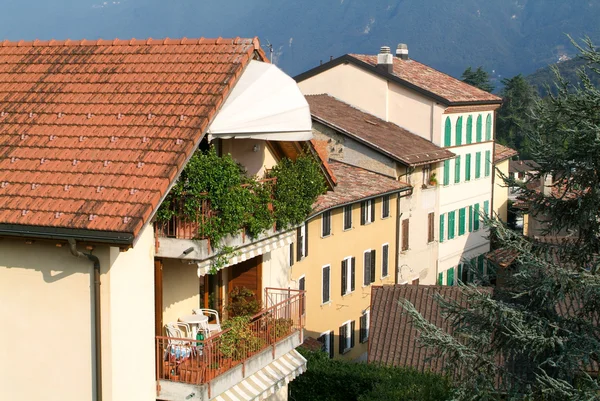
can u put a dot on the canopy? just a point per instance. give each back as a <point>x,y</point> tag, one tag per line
<point>264,104</point>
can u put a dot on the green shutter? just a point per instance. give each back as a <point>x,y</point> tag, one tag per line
<point>480,264</point>
<point>451,218</point>
<point>476,217</point>
<point>441,228</point>
<point>478,165</point>
<point>459,131</point>
<point>461,221</point>
<point>488,163</point>
<point>457,170</point>
<point>459,275</point>
<point>478,138</point>
<point>470,218</point>
<point>469,129</point>
<point>486,207</point>
<point>446,172</point>
<point>441,278</point>
<point>468,167</point>
<point>450,276</point>
<point>448,132</point>
<point>488,127</point>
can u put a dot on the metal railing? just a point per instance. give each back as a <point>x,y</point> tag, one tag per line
<point>198,362</point>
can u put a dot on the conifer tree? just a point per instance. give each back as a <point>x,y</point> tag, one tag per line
<point>478,78</point>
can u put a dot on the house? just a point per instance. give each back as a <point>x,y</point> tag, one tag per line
<point>94,135</point>
<point>502,156</point>
<point>441,109</point>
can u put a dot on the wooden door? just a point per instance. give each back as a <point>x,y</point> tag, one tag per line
<point>247,274</point>
<point>158,297</point>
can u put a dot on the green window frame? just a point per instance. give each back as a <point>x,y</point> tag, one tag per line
<point>479,128</point>
<point>457,170</point>
<point>448,132</point>
<point>488,127</point>
<point>440,278</point>
<point>470,219</point>
<point>461,221</point>
<point>450,276</point>
<point>476,217</point>
<point>488,163</point>
<point>477,165</point>
<point>458,129</point>
<point>468,167</point>
<point>446,172</point>
<point>442,228</point>
<point>486,208</point>
<point>451,224</point>
<point>480,264</point>
<point>469,138</point>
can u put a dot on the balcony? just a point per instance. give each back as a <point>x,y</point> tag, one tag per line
<point>210,367</point>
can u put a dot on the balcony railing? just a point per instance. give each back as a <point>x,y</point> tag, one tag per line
<point>198,362</point>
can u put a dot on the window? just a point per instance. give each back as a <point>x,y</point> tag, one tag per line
<point>446,172</point>
<point>481,265</point>
<point>369,267</point>
<point>450,276</point>
<point>426,174</point>
<point>488,127</point>
<point>326,284</point>
<point>470,218</point>
<point>469,130</point>
<point>468,167</point>
<point>460,273</point>
<point>478,137</point>
<point>301,242</point>
<point>365,320</point>
<point>385,206</point>
<point>459,131</point>
<point>461,221</point>
<point>326,340</point>
<point>440,278</point>
<point>326,224</point>
<point>476,217</point>
<point>448,132</point>
<point>488,163</point>
<point>486,208</point>
<point>346,336</point>
<point>367,211</point>
<point>451,224</point>
<point>405,228</point>
<point>347,217</point>
<point>292,259</point>
<point>302,287</point>
<point>457,170</point>
<point>348,275</point>
<point>442,228</point>
<point>430,227</point>
<point>477,165</point>
<point>385,255</point>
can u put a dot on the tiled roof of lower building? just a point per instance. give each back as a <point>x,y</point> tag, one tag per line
<point>93,133</point>
<point>502,153</point>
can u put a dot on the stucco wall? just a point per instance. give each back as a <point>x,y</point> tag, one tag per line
<point>414,112</point>
<point>181,289</point>
<point>242,150</point>
<point>276,268</point>
<point>501,191</point>
<point>331,251</point>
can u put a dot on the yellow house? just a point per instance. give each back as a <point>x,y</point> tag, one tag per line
<point>502,157</point>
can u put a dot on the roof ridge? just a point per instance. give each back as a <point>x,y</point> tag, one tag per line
<point>132,42</point>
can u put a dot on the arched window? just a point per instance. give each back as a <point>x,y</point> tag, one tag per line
<point>459,131</point>
<point>469,129</point>
<point>448,133</point>
<point>479,129</point>
<point>488,128</point>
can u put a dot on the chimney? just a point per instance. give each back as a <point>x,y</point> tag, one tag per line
<point>402,51</point>
<point>385,60</point>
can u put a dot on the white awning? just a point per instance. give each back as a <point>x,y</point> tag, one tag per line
<point>268,380</point>
<point>264,104</point>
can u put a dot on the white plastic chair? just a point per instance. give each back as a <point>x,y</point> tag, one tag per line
<point>178,348</point>
<point>212,327</point>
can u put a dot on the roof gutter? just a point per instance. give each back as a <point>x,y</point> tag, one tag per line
<point>58,233</point>
<point>97,310</point>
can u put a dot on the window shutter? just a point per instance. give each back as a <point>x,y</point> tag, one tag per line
<point>344,277</point>
<point>347,217</point>
<point>326,284</point>
<point>352,329</point>
<point>460,273</point>
<point>322,339</point>
<point>470,218</point>
<point>373,266</point>
<point>478,165</point>
<point>302,287</point>
<point>367,268</point>
<point>469,129</point>
<point>486,207</point>
<point>488,163</point>
<point>306,239</point>
<point>440,278</point>
<point>457,170</point>
<point>299,243</point>
<point>476,217</point>
<point>430,227</point>
<point>461,221</point>
<point>448,132</point>
<point>459,131</point>
<point>372,210</point>
<point>363,330</point>
<point>342,339</point>
<point>468,167</point>
<point>480,264</point>
<point>385,261</point>
<point>352,274</point>
<point>451,224</point>
<point>450,276</point>
<point>362,213</point>
<point>292,254</point>
<point>331,349</point>
<point>405,231</point>
<point>446,172</point>
<point>479,129</point>
<point>442,229</point>
<point>488,127</point>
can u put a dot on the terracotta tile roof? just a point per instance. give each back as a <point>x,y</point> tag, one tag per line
<point>320,148</point>
<point>502,153</point>
<point>433,81</point>
<point>355,184</point>
<point>93,133</point>
<point>521,166</point>
<point>392,338</point>
<point>396,142</point>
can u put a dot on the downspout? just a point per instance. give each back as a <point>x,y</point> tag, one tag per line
<point>97,321</point>
<point>396,252</point>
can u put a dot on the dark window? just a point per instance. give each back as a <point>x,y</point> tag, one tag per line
<point>367,211</point>
<point>326,277</point>
<point>326,341</point>
<point>348,275</point>
<point>367,268</point>
<point>347,217</point>
<point>405,235</point>
<point>385,206</point>
<point>302,287</point>
<point>373,264</point>
<point>430,227</point>
<point>292,254</point>
<point>364,327</point>
<point>346,341</point>
<point>326,223</point>
<point>384,261</point>
<point>301,242</point>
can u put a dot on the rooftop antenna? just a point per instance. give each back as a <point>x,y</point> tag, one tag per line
<point>270,47</point>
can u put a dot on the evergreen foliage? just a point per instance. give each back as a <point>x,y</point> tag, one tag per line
<point>478,78</point>
<point>336,380</point>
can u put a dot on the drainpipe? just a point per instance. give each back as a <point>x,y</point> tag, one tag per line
<point>97,322</point>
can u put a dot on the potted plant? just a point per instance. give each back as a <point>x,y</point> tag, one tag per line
<point>432,180</point>
<point>242,302</point>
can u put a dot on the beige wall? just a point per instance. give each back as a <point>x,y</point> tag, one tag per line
<point>331,251</point>
<point>501,191</point>
<point>242,150</point>
<point>181,289</point>
<point>276,268</point>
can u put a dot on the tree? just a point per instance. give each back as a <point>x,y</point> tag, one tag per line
<point>536,336</point>
<point>478,78</point>
<point>514,116</point>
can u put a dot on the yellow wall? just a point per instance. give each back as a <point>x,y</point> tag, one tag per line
<point>242,150</point>
<point>332,250</point>
<point>181,289</point>
<point>501,192</point>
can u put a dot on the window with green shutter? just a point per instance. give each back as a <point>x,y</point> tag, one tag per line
<point>486,207</point>
<point>469,129</point>
<point>476,217</point>
<point>446,172</point>
<point>460,272</point>
<point>477,165</point>
<point>461,221</point>
<point>451,220</point>
<point>448,132</point>
<point>442,227</point>
<point>480,264</point>
<point>458,131</point>
<point>478,137</point>
<point>470,218</point>
<point>468,167</point>
<point>441,278</point>
<point>457,170</point>
<point>488,127</point>
<point>450,276</point>
<point>488,162</point>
